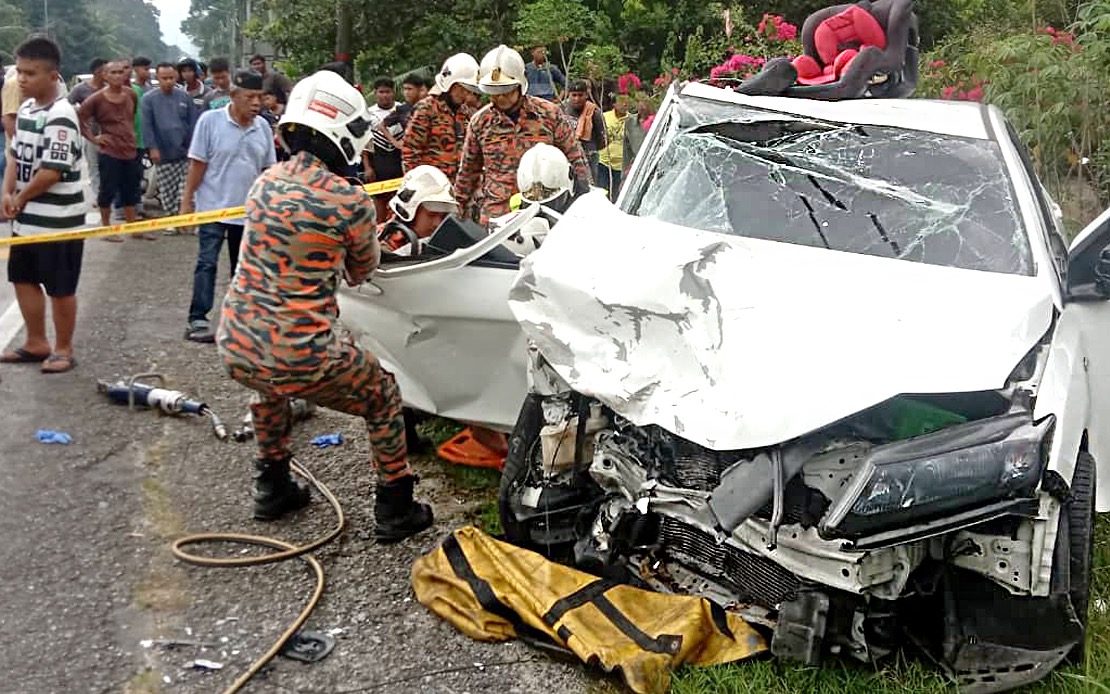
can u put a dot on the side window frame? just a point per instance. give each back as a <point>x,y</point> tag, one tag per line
<point>1055,240</point>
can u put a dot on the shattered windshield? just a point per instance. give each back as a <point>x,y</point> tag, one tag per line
<point>883,191</point>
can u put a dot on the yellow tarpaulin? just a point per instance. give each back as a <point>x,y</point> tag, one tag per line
<point>494,591</point>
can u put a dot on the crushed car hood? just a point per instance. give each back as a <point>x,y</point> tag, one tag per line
<point>734,342</point>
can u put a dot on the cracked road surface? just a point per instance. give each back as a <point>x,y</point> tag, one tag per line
<point>85,571</point>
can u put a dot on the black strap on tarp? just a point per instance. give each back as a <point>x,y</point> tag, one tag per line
<point>484,592</point>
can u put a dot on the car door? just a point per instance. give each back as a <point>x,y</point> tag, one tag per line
<point>443,327</point>
<point>1087,306</point>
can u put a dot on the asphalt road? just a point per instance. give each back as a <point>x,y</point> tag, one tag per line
<point>85,572</point>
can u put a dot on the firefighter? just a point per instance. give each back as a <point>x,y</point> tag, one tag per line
<point>545,177</point>
<point>502,131</point>
<point>419,207</point>
<point>306,228</point>
<point>439,121</point>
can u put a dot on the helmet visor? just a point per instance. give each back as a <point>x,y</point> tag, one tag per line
<point>540,193</point>
<point>498,88</point>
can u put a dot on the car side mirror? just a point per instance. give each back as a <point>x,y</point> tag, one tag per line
<point>1088,272</point>
<point>1097,284</point>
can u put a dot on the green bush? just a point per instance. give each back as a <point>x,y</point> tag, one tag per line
<point>1051,85</point>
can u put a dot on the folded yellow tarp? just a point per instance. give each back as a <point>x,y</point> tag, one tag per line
<point>494,591</point>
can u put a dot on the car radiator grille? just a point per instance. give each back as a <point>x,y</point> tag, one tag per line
<point>694,467</point>
<point>754,578</point>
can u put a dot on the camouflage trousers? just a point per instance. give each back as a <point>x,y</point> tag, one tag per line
<point>351,381</point>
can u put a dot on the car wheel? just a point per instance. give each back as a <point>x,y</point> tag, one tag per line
<point>521,441</point>
<point>1079,515</point>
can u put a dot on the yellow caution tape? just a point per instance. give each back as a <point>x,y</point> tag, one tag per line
<point>179,220</point>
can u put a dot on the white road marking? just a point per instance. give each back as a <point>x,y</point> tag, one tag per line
<point>11,322</point>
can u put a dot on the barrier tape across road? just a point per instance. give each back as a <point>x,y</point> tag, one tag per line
<point>179,220</point>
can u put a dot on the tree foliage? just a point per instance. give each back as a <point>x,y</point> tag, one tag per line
<point>213,27</point>
<point>85,29</point>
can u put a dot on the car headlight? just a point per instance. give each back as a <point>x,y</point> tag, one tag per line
<point>925,477</point>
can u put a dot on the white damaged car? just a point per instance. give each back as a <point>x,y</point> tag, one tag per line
<point>829,364</point>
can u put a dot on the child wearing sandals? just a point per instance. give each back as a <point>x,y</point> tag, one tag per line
<point>43,193</point>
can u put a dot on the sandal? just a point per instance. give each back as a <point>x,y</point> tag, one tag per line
<point>22,356</point>
<point>66,364</point>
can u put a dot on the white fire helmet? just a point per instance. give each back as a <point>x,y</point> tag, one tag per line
<point>502,70</point>
<point>423,185</point>
<point>329,105</point>
<point>460,68</point>
<point>544,174</point>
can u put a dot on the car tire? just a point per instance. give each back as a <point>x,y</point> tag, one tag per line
<point>1080,517</point>
<point>524,436</point>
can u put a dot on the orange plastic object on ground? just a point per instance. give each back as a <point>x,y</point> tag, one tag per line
<point>465,449</point>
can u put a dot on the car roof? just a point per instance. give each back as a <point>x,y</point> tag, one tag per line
<point>958,118</point>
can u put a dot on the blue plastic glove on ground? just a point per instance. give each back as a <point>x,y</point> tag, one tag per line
<point>327,440</point>
<point>51,436</point>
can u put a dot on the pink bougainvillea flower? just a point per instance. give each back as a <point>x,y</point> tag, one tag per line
<point>628,82</point>
<point>974,94</point>
<point>948,93</point>
<point>787,32</point>
<point>648,121</point>
<point>937,64</point>
<point>674,71</point>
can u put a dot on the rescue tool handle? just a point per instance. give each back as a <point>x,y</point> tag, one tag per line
<point>464,256</point>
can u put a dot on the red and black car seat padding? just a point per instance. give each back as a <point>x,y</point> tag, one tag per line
<point>849,52</point>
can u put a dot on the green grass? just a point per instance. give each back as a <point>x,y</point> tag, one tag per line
<point>489,518</point>
<point>438,430</point>
<point>905,675</point>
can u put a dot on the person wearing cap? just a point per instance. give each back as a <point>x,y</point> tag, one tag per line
<point>230,147</point>
<point>503,130</point>
<point>439,122</point>
<point>188,71</point>
<point>308,228</point>
<point>419,206</point>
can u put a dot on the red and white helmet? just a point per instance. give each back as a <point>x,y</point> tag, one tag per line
<point>328,104</point>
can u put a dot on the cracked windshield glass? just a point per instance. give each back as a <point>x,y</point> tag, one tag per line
<point>882,191</point>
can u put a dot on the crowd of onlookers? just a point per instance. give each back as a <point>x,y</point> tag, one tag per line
<point>196,135</point>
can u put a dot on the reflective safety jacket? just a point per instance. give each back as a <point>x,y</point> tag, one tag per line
<point>494,591</point>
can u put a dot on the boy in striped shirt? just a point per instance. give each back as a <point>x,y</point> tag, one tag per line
<point>43,193</point>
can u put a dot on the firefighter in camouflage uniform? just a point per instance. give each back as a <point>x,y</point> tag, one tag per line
<point>307,228</point>
<point>438,125</point>
<point>502,131</point>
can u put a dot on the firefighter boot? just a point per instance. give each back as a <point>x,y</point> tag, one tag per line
<point>276,492</point>
<point>396,514</point>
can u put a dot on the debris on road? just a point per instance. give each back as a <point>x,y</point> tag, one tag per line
<point>308,646</point>
<point>202,664</point>
<point>328,440</point>
<point>302,410</point>
<point>176,643</point>
<point>51,436</point>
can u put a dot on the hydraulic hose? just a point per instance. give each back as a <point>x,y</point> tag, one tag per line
<point>285,551</point>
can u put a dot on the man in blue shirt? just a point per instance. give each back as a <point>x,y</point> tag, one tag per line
<point>230,147</point>
<point>168,117</point>
<point>543,76</point>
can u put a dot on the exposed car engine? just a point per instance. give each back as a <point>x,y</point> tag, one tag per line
<point>824,541</point>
